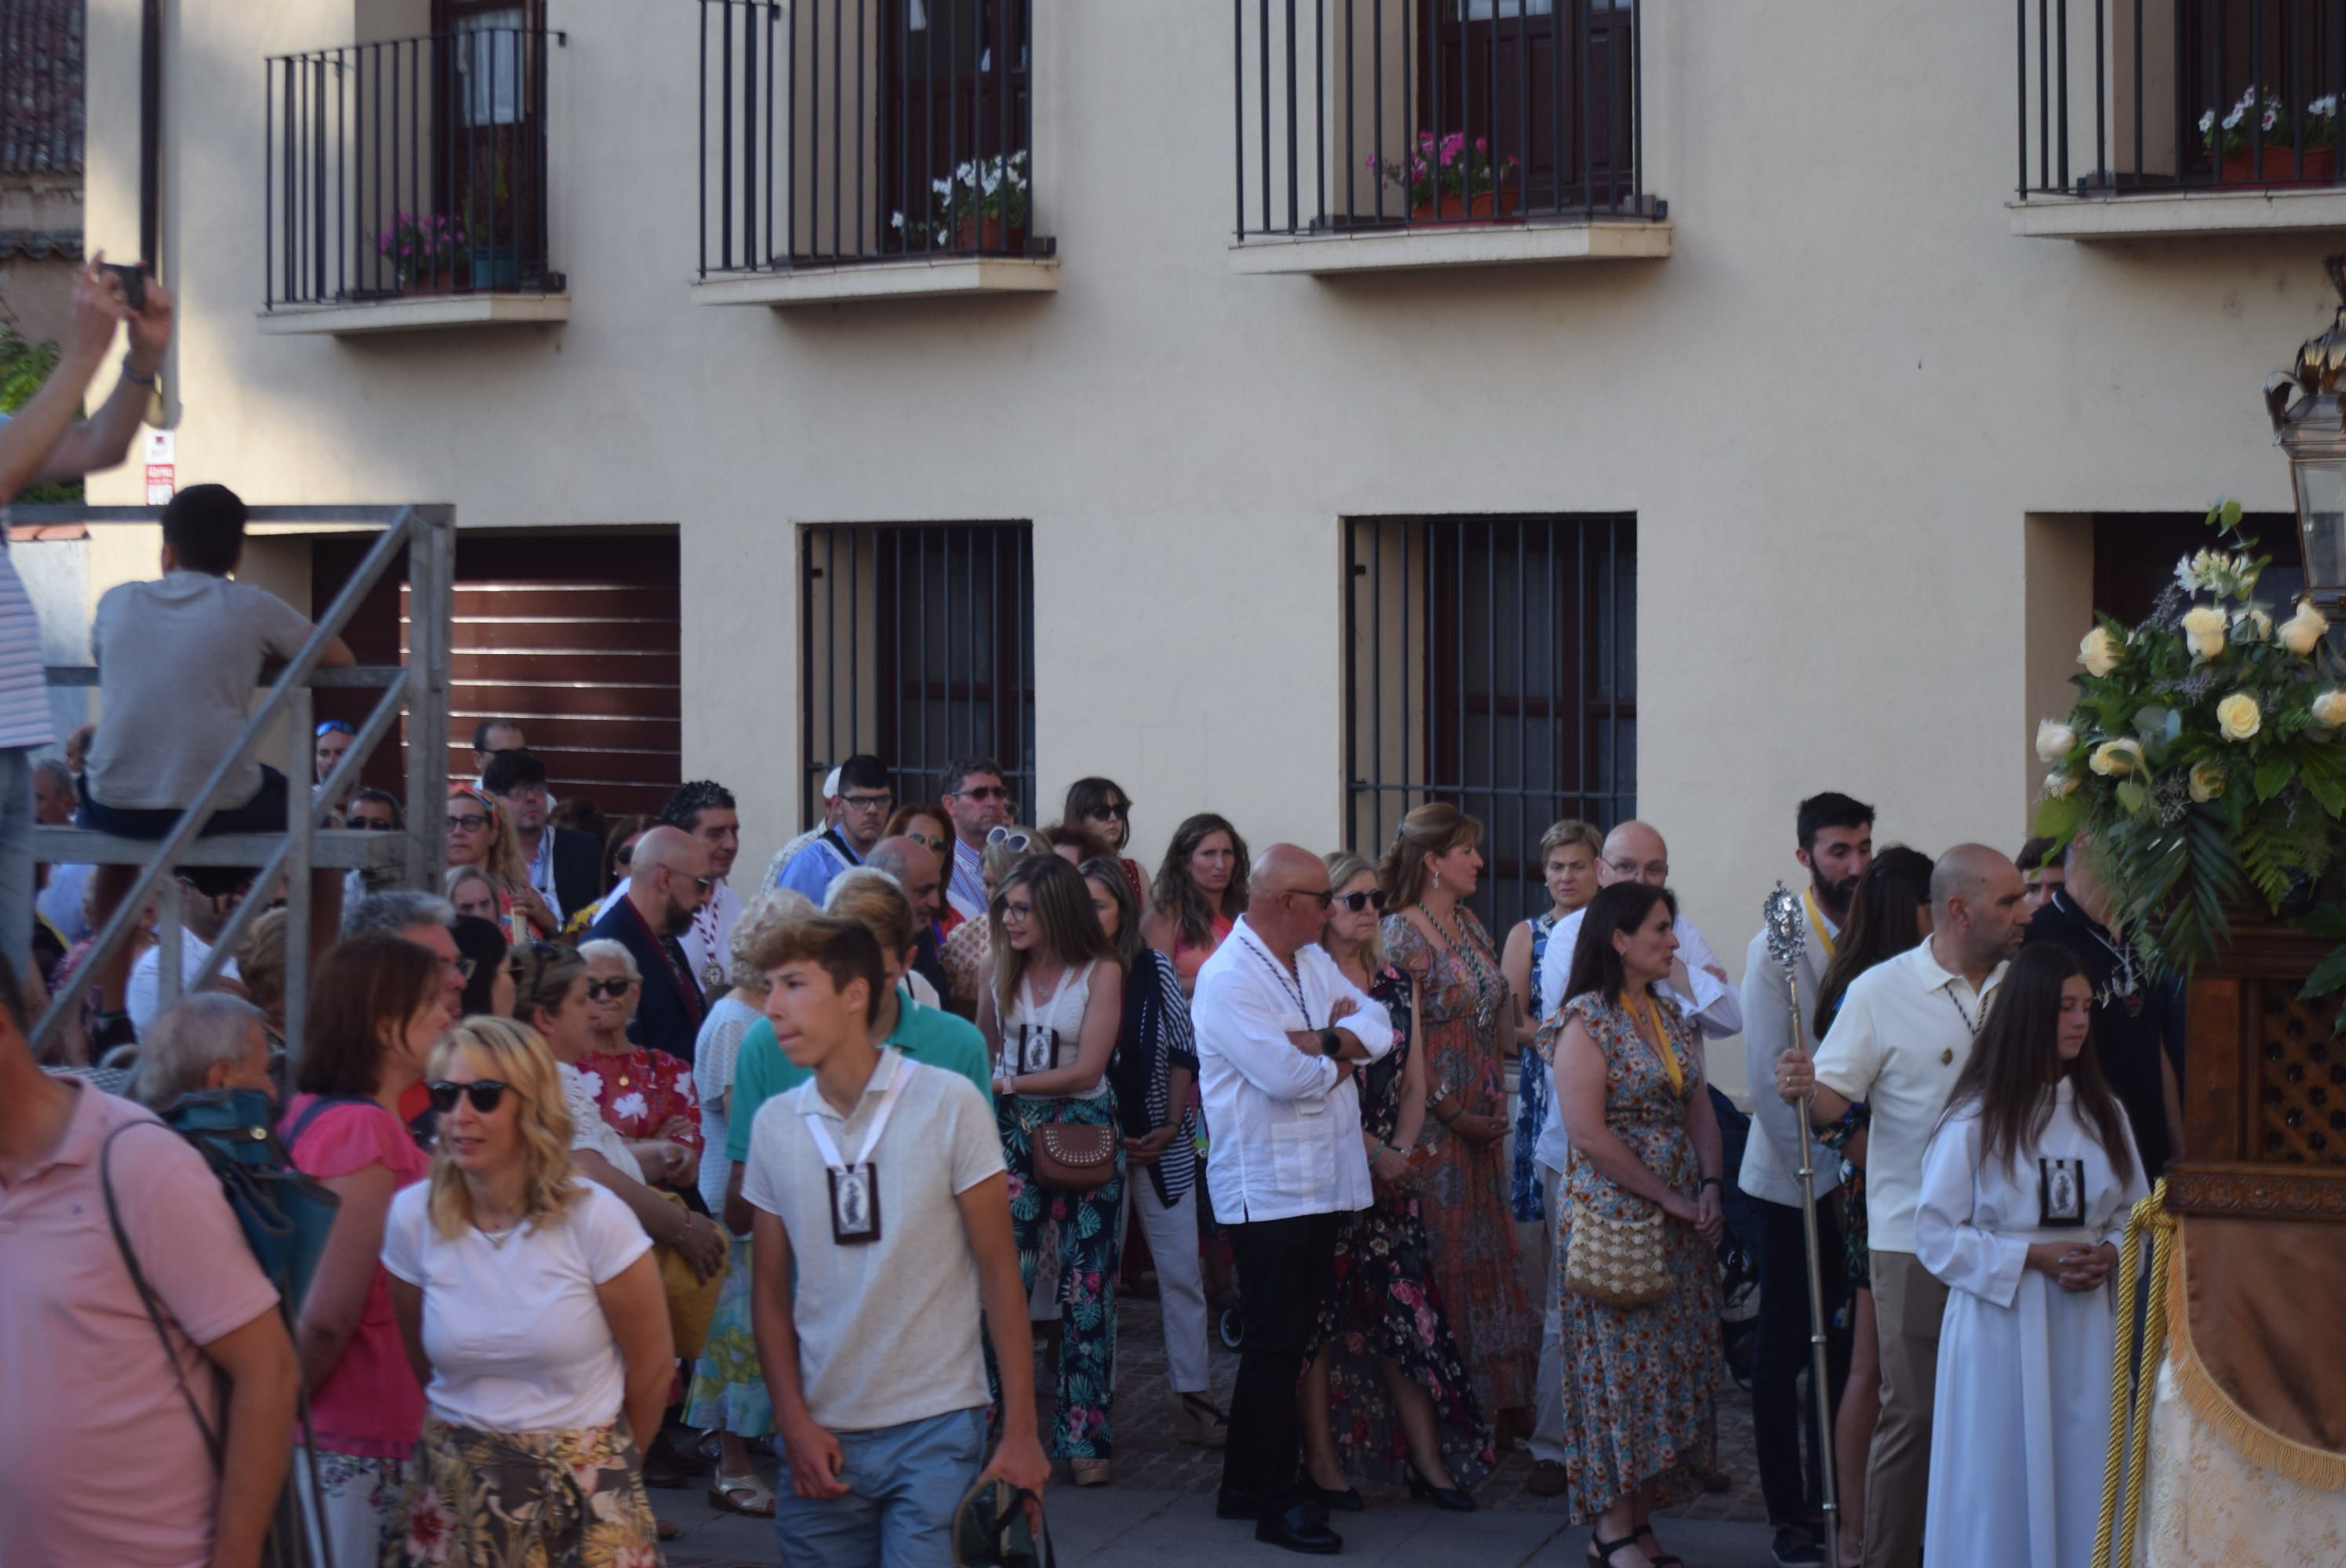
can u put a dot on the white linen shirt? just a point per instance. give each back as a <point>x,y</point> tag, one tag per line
<point>1286,1124</point>
<point>1714,1010</point>
<point>1771,1155</point>
<point>1902,1037</point>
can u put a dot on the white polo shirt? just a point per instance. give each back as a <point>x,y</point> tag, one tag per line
<point>1903,1033</point>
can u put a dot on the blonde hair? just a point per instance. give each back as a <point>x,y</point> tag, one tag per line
<point>457,876</point>
<point>995,860</point>
<point>759,916</point>
<point>504,866</point>
<point>516,1054</point>
<point>1572,830</point>
<point>261,964</point>
<point>1342,867</point>
<point>1434,829</point>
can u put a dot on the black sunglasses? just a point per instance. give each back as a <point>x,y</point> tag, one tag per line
<point>373,825</point>
<point>614,989</point>
<point>1372,899</point>
<point>1323,898</point>
<point>484,1093</point>
<point>1121,812</point>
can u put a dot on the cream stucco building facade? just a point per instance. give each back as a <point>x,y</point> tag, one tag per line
<point>1863,425</point>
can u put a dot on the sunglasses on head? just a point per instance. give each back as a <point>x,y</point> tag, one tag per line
<point>484,1093</point>
<point>1005,836</point>
<point>1374,899</point>
<point>334,727</point>
<point>597,990</point>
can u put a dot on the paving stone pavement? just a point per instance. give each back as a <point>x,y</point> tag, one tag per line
<point>1160,1506</point>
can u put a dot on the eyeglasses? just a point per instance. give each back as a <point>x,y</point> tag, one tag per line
<point>1019,913</point>
<point>373,825</point>
<point>334,727</point>
<point>706,884</point>
<point>1653,871</point>
<point>1121,812</point>
<point>1373,898</point>
<point>466,822</point>
<point>880,803</point>
<point>612,990</point>
<point>463,966</point>
<point>1323,898</point>
<point>485,1093</point>
<point>984,792</point>
<point>926,842</point>
<point>1005,836</point>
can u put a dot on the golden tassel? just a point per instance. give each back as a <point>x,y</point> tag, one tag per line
<point>2129,1443</point>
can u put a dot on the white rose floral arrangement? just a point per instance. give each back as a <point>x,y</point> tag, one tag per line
<point>2206,755</point>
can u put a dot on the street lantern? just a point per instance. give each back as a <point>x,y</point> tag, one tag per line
<point>2309,424</point>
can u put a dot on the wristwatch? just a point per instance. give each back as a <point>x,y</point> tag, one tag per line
<point>1328,1045</point>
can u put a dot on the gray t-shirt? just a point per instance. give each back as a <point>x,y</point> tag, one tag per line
<point>888,1330</point>
<point>177,659</point>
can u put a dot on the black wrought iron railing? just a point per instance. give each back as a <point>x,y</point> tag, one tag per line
<point>1400,114</point>
<point>841,131</point>
<point>408,166</point>
<point>2130,97</point>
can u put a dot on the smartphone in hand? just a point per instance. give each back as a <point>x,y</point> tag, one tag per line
<point>132,275</point>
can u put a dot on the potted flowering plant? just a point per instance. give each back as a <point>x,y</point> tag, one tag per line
<point>2261,119</point>
<point>422,249</point>
<point>1452,180</point>
<point>982,205</point>
<point>2205,756</point>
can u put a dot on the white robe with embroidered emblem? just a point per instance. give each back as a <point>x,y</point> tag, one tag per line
<point>2022,1421</point>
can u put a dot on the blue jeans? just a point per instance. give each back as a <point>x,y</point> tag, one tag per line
<point>905,1483</point>
<point>16,858</point>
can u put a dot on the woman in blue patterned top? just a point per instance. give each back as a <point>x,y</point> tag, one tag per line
<point>1568,855</point>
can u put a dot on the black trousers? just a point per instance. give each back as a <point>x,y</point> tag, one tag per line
<point>1286,1269</point>
<point>1781,1418</point>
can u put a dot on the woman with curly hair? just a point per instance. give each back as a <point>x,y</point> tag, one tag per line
<point>481,836</point>
<point>530,1298</point>
<point>1200,891</point>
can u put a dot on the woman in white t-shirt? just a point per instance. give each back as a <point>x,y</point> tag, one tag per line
<point>531,1306</point>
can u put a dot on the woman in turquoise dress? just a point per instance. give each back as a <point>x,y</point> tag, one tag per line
<point>1641,1427</point>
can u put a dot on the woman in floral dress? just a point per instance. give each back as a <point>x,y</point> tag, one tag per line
<point>1386,1394</point>
<point>647,1096</point>
<point>1641,1430</point>
<point>1467,1018</point>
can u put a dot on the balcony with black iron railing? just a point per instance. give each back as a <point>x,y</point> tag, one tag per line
<point>867,149</point>
<point>2157,118</point>
<point>405,184</point>
<point>1391,135</point>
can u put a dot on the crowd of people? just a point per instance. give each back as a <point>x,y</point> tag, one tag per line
<point>638,1177</point>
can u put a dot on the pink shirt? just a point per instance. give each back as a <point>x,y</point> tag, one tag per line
<point>101,1461</point>
<point>370,1404</point>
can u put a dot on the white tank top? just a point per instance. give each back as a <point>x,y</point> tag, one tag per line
<point>1045,1039</point>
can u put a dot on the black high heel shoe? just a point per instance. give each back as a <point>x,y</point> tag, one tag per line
<point>1450,1499</point>
<point>1348,1500</point>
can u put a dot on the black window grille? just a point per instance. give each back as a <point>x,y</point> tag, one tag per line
<point>918,647</point>
<point>410,166</point>
<point>2125,97</point>
<point>1491,662</point>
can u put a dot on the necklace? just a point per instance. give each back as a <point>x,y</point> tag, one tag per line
<point>1970,1022</point>
<point>1644,1008</point>
<point>1293,987</point>
<point>1468,951</point>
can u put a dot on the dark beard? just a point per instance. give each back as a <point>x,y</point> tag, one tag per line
<point>1832,899</point>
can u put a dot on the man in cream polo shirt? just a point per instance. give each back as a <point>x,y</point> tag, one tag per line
<point>1903,1033</point>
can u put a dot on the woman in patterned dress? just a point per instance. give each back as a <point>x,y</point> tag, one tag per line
<point>1569,851</point>
<point>1386,1394</point>
<point>1468,1020</point>
<point>1641,1427</point>
<point>649,1096</point>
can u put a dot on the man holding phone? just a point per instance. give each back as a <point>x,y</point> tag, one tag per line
<point>42,443</point>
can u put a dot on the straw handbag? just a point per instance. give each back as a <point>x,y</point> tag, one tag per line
<point>1617,1262</point>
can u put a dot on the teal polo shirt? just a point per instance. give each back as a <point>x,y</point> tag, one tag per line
<point>929,1035</point>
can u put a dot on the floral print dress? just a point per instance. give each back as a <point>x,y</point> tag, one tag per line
<point>1463,1186</point>
<point>1385,1304</point>
<point>641,1090</point>
<point>1638,1380</point>
<point>1527,1196</point>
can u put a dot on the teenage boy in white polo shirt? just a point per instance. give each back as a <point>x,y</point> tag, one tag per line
<point>1903,1033</point>
<point>879,1186</point>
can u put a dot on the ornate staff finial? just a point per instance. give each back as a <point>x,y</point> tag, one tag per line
<point>1788,928</point>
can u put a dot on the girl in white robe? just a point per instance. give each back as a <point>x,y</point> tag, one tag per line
<point>2026,1184</point>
